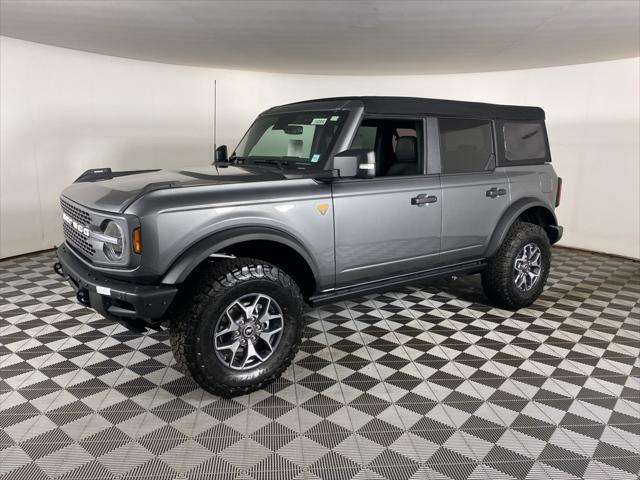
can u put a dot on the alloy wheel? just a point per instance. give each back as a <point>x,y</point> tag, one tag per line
<point>527,267</point>
<point>249,331</point>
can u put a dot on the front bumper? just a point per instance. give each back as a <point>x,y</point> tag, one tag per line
<point>134,305</point>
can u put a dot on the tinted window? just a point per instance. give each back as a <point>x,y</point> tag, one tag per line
<point>397,144</point>
<point>365,137</point>
<point>524,141</point>
<point>465,145</point>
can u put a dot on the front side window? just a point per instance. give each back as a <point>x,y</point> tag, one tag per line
<point>524,141</point>
<point>365,137</point>
<point>397,144</point>
<point>466,145</point>
<point>300,140</point>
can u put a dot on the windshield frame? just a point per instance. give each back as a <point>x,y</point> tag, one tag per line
<point>336,143</point>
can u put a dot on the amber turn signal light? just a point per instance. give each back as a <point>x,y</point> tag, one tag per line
<point>137,242</point>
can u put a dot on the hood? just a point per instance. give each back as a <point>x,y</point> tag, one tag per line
<point>115,194</point>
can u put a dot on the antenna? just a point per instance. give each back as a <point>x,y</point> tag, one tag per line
<point>215,108</point>
<point>215,122</point>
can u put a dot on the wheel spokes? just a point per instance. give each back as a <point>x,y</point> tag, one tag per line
<point>227,313</point>
<point>528,280</point>
<point>251,309</point>
<point>246,311</point>
<point>527,266</point>
<point>248,331</point>
<point>232,328</point>
<point>536,258</point>
<point>250,353</point>
<point>268,335</point>
<point>264,310</point>
<point>233,346</point>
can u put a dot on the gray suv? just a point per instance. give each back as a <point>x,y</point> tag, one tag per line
<point>320,201</point>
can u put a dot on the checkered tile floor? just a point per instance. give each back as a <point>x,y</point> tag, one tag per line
<point>418,383</point>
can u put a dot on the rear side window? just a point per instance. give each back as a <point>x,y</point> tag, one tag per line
<point>524,141</point>
<point>466,145</point>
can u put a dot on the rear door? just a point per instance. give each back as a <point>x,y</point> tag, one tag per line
<point>475,193</point>
<point>389,225</point>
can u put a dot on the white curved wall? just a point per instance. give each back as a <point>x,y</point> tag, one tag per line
<point>64,111</point>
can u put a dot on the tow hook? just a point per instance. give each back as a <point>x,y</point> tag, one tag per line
<point>83,297</point>
<point>58,269</point>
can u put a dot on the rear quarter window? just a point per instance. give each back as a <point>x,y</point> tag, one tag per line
<point>524,141</point>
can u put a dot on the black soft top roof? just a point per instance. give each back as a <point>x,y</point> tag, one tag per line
<point>417,105</point>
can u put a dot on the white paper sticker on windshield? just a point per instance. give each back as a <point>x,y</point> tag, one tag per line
<point>334,118</point>
<point>318,121</point>
<point>315,158</point>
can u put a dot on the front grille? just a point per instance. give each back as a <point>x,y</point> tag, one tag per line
<point>74,237</point>
<point>78,240</point>
<point>76,213</point>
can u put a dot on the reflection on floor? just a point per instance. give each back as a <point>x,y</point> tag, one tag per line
<point>417,383</point>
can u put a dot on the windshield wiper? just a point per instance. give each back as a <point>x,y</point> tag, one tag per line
<point>232,160</point>
<point>280,163</point>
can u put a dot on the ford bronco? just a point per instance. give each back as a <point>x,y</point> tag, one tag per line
<point>321,201</point>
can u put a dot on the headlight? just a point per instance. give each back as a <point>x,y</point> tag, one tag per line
<point>114,241</point>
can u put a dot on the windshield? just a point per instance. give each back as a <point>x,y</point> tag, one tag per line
<point>298,140</point>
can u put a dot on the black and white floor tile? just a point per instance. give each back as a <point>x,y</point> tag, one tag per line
<point>418,383</point>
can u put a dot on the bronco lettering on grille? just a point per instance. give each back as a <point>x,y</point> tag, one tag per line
<point>75,225</point>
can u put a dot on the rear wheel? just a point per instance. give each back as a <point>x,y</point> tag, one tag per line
<point>237,326</point>
<point>515,276</point>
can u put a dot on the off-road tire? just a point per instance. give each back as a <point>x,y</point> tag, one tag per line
<point>498,277</point>
<point>205,297</point>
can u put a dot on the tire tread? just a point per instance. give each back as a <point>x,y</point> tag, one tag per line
<point>497,276</point>
<point>199,292</point>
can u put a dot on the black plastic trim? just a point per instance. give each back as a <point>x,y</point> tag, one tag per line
<point>199,252</point>
<point>510,216</point>
<point>147,302</point>
<point>96,174</point>
<point>555,233</point>
<point>394,282</point>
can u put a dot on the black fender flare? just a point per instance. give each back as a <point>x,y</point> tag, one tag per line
<point>215,243</point>
<point>510,216</point>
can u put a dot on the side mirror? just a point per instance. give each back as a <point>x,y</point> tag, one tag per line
<point>358,163</point>
<point>221,154</point>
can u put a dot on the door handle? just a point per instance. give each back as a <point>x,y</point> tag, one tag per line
<point>423,199</point>
<point>496,192</point>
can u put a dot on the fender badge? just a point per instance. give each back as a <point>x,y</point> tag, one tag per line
<point>322,208</point>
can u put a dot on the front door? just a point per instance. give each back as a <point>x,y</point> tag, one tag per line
<point>390,225</point>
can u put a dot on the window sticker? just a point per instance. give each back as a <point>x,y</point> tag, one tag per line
<point>335,118</point>
<point>318,121</point>
<point>315,158</point>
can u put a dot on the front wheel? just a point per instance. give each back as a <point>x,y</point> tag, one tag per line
<point>515,276</point>
<point>237,326</point>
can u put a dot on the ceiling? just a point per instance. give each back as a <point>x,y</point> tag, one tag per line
<point>336,37</point>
